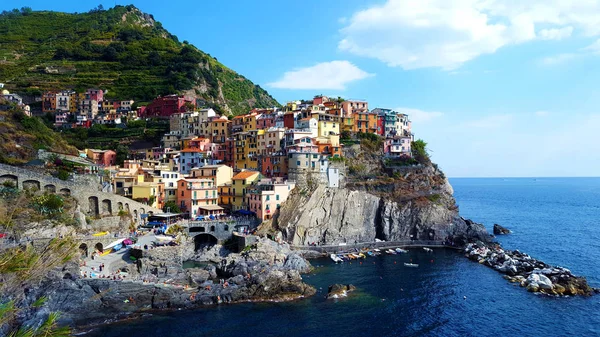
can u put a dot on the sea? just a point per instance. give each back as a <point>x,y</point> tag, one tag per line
<point>556,220</point>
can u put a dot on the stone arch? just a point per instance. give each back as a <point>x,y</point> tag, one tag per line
<point>94,210</point>
<point>50,188</point>
<point>135,214</point>
<point>31,185</point>
<point>120,206</point>
<point>127,207</point>
<point>204,239</point>
<point>107,206</point>
<point>10,177</point>
<point>212,228</point>
<point>226,228</point>
<point>83,249</point>
<point>65,191</point>
<point>99,247</point>
<point>142,211</point>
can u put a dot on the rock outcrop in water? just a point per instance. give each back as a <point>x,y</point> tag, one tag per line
<point>533,274</point>
<point>339,290</point>
<point>499,230</point>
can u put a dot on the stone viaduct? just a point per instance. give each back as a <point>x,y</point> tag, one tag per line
<point>91,201</point>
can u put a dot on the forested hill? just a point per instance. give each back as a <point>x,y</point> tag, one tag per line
<point>120,49</point>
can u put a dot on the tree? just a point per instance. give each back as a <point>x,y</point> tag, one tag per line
<point>172,207</point>
<point>419,151</point>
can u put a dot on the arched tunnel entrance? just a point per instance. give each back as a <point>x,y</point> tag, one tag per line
<point>83,249</point>
<point>204,240</point>
<point>99,247</point>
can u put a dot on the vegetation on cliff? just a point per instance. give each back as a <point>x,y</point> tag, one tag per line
<point>120,49</point>
<point>22,136</point>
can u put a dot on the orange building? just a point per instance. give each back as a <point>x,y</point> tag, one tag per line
<point>365,122</point>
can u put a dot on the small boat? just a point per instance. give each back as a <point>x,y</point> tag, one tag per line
<point>370,253</point>
<point>376,250</point>
<point>362,256</point>
<point>411,265</point>
<point>429,250</point>
<point>400,250</point>
<point>335,258</point>
<point>353,256</point>
<point>117,247</point>
<point>391,252</point>
<point>100,234</point>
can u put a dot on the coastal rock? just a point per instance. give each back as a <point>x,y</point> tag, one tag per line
<point>197,275</point>
<point>339,290</point>
<point>533,274</point>
<point>499,230</point>
<point>365,212</point>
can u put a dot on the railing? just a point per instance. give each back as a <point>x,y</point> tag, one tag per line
<point>378,245</point>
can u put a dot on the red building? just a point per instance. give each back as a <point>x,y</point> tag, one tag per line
<point>227,150</point>
<point>166,106</point>
<point>381,126</point>
<point>288,120</point>
<point>265,121</point>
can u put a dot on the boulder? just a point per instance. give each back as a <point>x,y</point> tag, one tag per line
<point>499,230</point>
<point>339,290</point>
<point>544,282</point>
<point>198,276</point>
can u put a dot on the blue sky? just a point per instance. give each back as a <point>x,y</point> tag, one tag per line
<point>502,88</point>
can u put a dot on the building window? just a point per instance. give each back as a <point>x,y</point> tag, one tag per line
<point>182,193</point>
<point>277,197</point>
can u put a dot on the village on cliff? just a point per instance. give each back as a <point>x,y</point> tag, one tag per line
<point>211,165</point>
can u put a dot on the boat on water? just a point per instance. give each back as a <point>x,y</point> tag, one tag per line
<point>400,250</point>
<point>429,250</point>
<point>377,250</point>
<point>353,256</point>
<point>411,265</point>
<point>362,256</point>
<point>370,253</point>
<point>391,252</point>
<point>336,258</point>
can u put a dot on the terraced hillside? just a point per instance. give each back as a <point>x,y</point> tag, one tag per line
<point>122,50</point>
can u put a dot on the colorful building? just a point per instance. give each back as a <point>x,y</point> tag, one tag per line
<point>266,196</point>
<point>102,157</point>
<point>220,130</point>
<point>191,158</point>
<point>166,106</point>
<point>241,182</point>
<point>198,197</point>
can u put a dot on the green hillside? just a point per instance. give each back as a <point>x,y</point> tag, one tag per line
<point>120,49</point>
<point>22,136</point>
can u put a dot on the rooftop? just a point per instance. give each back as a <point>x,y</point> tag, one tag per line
<point>244,175</point>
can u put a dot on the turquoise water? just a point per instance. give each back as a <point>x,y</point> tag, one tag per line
<point>556,220</point>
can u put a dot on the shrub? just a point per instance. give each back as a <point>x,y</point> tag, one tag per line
<point>434,197</point>
<point>48,203</point>
<point>63,174</point>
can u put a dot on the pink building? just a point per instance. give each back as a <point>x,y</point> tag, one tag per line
<point>102,157</point>
<point>266,197</point>
<point>398,146</point>
<point>94,95</point>
<point>352,106</point>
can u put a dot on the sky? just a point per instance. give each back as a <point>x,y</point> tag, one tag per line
<point>497,88</point>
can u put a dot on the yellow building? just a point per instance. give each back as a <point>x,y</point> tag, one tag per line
<point>226,195</point>
<point>251,151</point>
<point>241,182</point>
<point>328,125</point>
<point>240,154</point>
<point>221,130</point>
<point>250,122</point>
<point>150,192</point>
<point>219,174</point>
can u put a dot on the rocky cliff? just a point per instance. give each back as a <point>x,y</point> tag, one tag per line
<point>415,203</point>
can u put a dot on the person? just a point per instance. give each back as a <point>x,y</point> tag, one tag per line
<point>146,247</point>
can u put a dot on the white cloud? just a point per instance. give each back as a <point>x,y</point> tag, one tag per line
<point>327,75</point>
<point>558,59</point>
<point>440,33</point>
<point>419,116</point>
<point>542,113</point>
<point>490,122</point>
<point>556,34</point>
<point>593,48</point>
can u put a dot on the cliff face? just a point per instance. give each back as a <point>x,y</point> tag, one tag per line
<point>417,204</point>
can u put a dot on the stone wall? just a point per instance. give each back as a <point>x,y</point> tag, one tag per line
<point>91,200</point>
